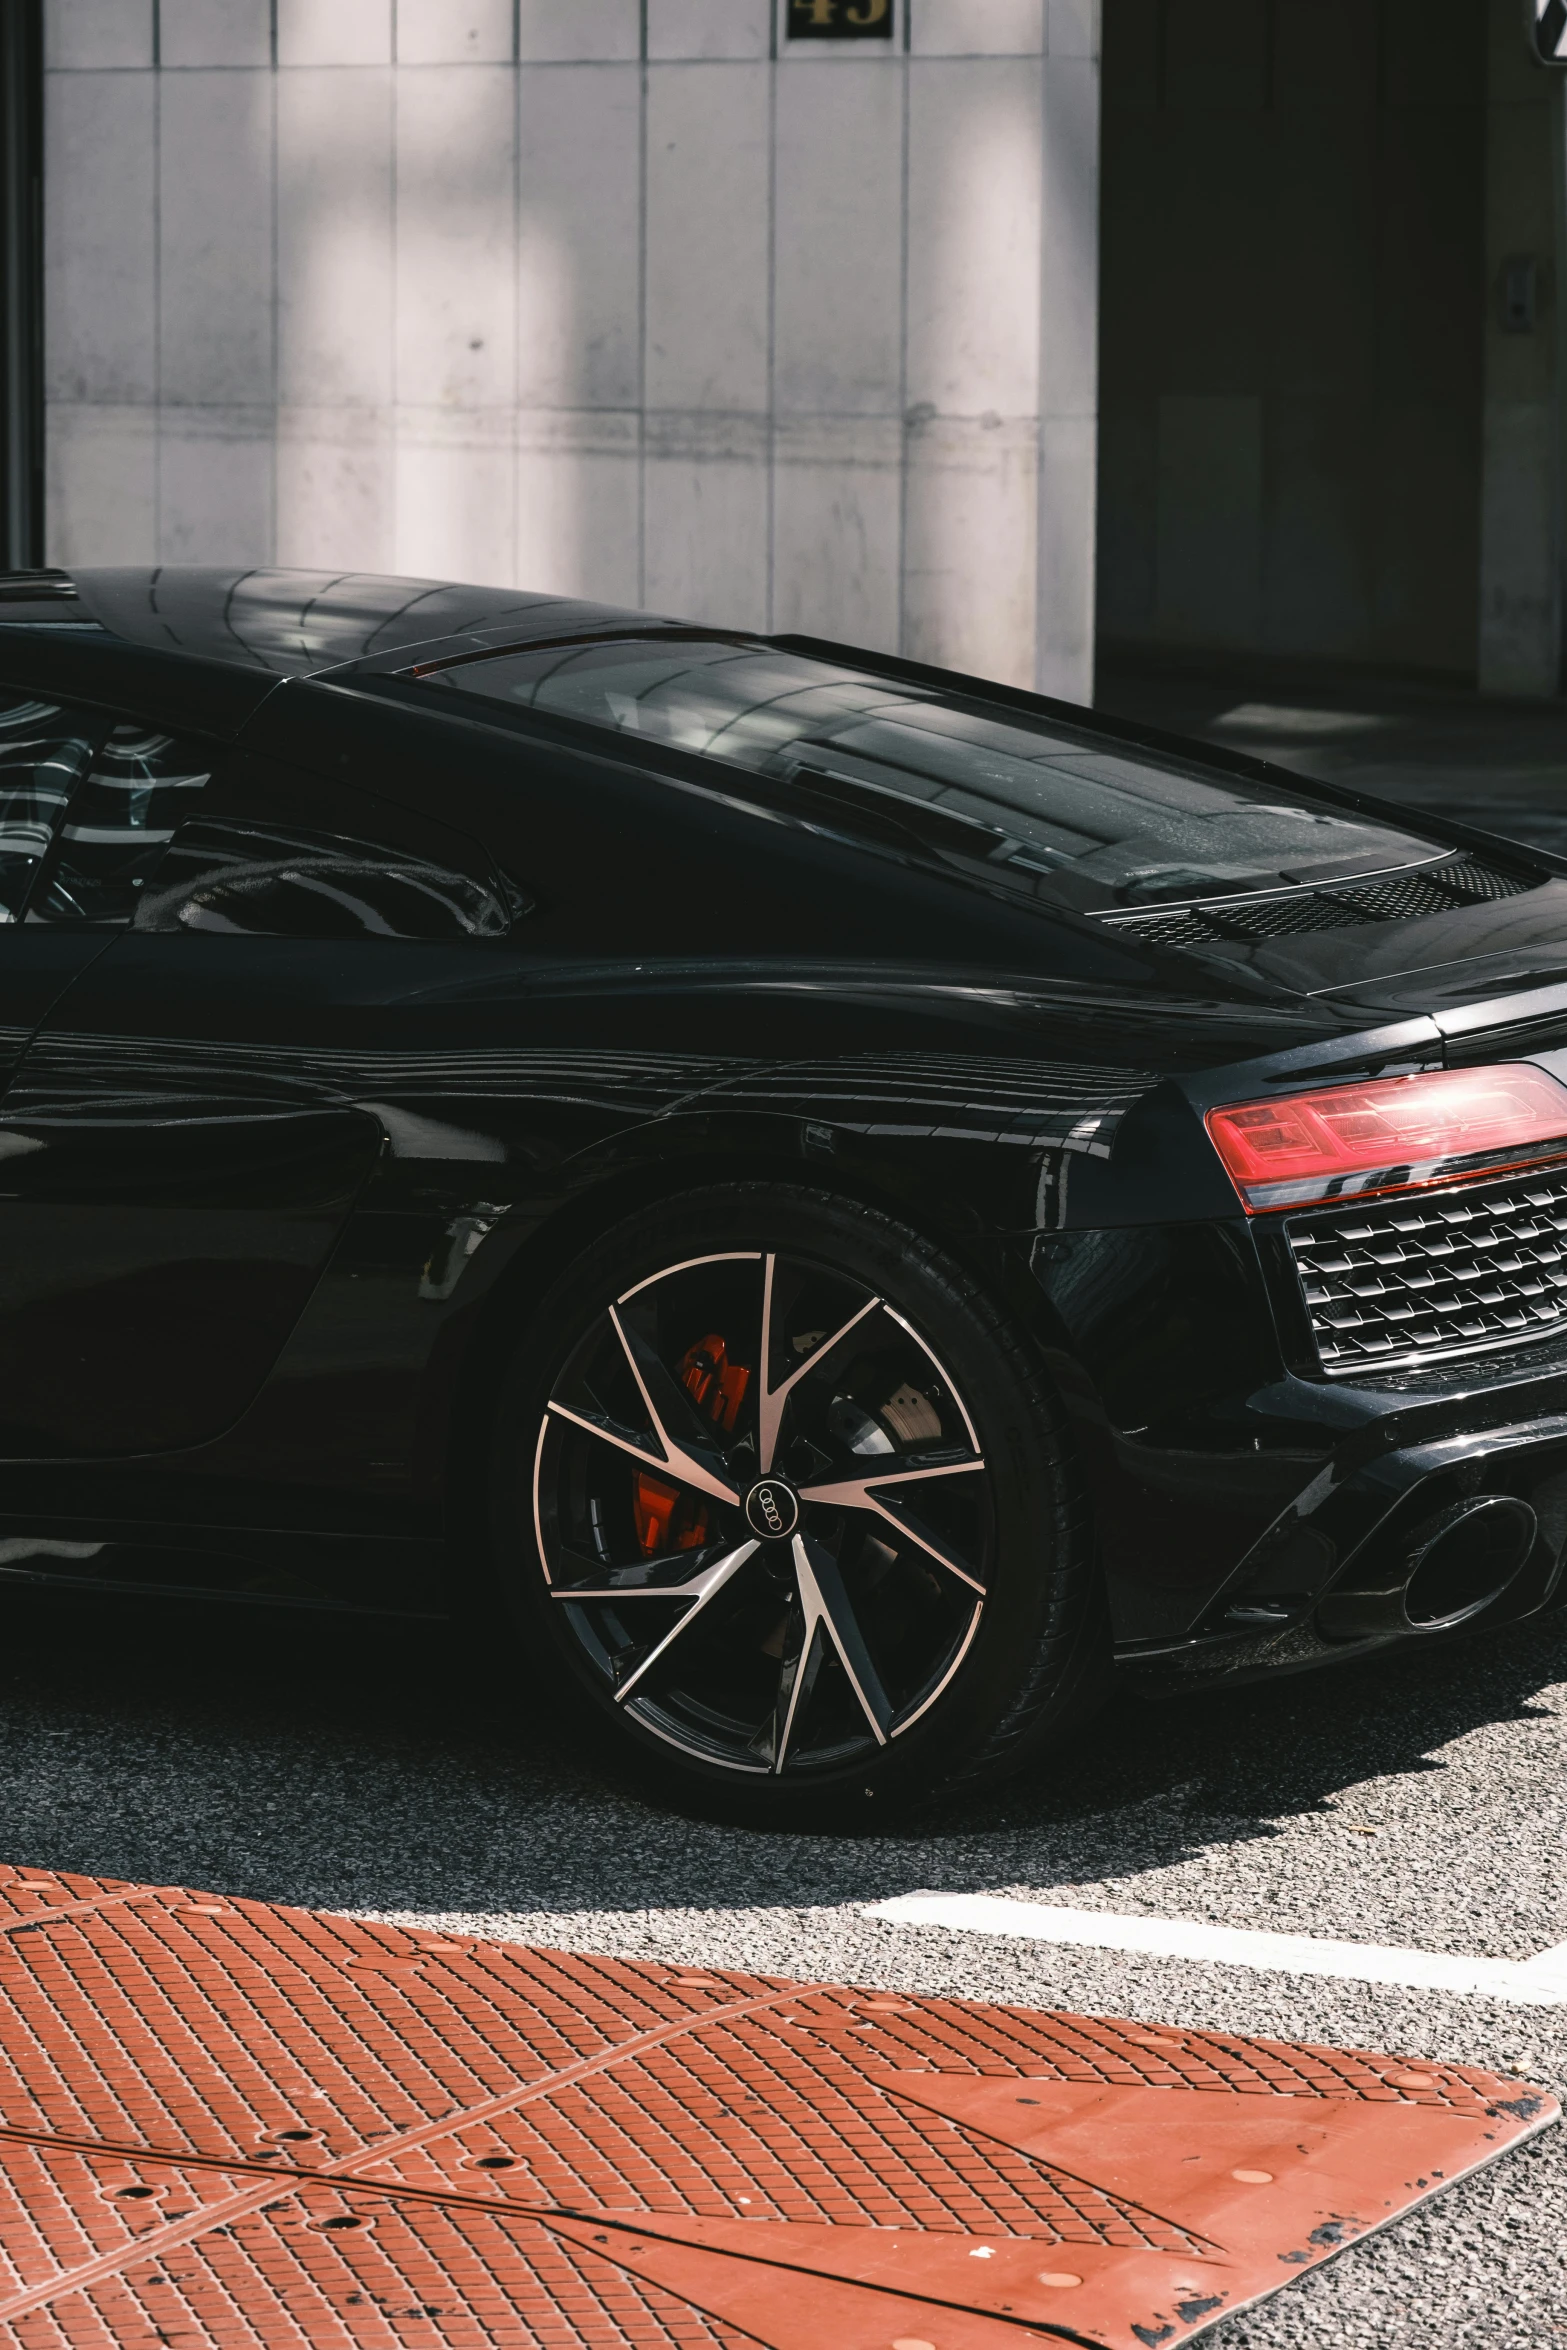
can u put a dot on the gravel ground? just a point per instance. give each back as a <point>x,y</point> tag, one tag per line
<point>379,1769</point>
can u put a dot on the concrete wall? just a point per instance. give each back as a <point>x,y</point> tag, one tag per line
<point>624,298</point>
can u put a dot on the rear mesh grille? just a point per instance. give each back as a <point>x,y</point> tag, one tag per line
<point>1437,1273</point>
<point>1344,906</point>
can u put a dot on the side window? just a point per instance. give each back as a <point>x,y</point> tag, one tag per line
<point>45,752</point>
<point>276,881</point>
<point>138,786</point>
<point>276,852</point>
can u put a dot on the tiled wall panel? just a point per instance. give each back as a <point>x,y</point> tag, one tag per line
<point>456,297</point>
<point>334,32</point>
<point>978,28</point>
<point>335,236</point>
<point>550,32</point>
<point>334,488</point>
<point>82,34</point>
<point>454,32</point>
<point>102,488</point>
<point>214,32</point>
<point>215,155</point>
<point>707,207</point>
<point>973,231</point>
<point>579,502</point>
<point>579,144</point>
<point>838,332</point>
<point>215,485</point>
<point>454,492</point>
<point>705,527</point>
<point>837,508</point>
<point>100,232</point>
<point>970,590</point>
<point>708,28</point>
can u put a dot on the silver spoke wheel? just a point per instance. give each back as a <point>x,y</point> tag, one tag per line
<point>762,1509</point>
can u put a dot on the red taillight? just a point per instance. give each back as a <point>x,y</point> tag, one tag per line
<point>1341,1141</point>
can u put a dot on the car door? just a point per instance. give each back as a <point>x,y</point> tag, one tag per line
<point>188,1131</point>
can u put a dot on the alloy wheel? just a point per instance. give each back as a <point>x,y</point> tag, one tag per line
<point>762,1508</point>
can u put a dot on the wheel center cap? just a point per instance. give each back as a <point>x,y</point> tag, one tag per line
<point>772,1509</point>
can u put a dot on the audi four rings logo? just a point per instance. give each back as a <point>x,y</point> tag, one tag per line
<point>772,1510</point>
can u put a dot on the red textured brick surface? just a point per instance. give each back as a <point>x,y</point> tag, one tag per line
<point>232,2123</point>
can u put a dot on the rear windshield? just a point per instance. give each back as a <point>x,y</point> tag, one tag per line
<point>1053,810</point>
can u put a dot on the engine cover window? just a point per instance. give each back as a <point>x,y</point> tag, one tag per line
<point>1056,813</point>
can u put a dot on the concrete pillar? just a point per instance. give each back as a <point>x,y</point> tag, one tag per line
<point>1522,430</point>
<point>1069,352</point>
<point>632,299</point>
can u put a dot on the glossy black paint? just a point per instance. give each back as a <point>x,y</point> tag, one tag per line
<point>280,1185</point>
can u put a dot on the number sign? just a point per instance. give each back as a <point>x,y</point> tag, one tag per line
<point>840,20</point>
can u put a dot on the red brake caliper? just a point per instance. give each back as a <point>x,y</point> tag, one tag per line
<point>668,1519</point>
<point>718,1384</point>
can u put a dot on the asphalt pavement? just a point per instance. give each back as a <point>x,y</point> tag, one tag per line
<point>1418,1800</point>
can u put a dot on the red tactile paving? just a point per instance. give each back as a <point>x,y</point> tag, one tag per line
<point>224,2122</point>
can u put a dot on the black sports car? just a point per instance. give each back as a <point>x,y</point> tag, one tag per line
<point>862,1203</point>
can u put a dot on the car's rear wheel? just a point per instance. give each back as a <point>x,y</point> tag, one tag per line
<point>791,1503</point>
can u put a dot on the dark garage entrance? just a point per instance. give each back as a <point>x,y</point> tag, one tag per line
<point>1329,417</point>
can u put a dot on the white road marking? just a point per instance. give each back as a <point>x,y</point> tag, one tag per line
<point>1531,1982</point>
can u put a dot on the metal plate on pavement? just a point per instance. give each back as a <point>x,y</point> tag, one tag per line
<point>227,2121</point>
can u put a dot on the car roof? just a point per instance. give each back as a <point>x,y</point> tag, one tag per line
<point>286,623</point>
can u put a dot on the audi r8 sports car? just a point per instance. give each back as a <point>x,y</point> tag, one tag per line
<point>870,1208</point>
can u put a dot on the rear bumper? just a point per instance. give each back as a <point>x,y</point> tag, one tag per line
<point>1232,1485</point>
<point>1359,1512</point>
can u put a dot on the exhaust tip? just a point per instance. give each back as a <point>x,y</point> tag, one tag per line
<point>1458,1563</point>
<point>1467,1561</point>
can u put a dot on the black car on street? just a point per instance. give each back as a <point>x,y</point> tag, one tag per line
<point>867,1210</point>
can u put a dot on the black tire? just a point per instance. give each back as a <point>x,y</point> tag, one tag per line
<point>879,1545</point>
